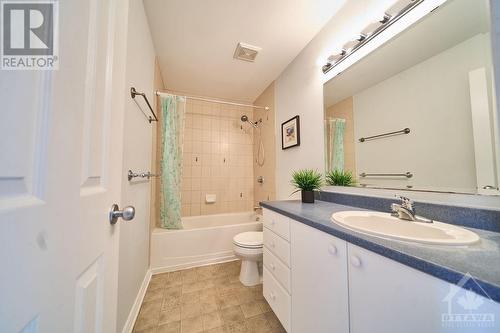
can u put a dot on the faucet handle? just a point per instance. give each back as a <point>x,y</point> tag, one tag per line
<point>406,202</point>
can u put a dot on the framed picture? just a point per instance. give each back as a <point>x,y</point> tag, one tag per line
<point>290,133</point>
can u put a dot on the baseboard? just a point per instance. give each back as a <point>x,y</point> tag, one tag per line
<point>218,260</point>
<point>134,312</point>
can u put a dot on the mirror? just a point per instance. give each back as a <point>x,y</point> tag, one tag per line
<point>419,112</point>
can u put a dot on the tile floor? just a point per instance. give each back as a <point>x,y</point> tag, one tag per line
<point>205,299</point>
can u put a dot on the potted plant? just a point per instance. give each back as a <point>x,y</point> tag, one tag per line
<point>339,178</point>
<point>307,181</point>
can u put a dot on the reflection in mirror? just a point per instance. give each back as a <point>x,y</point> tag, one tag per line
<point>420,111</point>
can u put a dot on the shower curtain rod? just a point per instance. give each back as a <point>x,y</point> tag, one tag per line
<point>158,93</point>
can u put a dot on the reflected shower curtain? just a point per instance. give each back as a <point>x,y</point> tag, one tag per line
<point>173,110</point>
<point>335,144</point>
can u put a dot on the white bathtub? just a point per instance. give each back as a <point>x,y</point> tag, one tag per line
<point>204,240</point>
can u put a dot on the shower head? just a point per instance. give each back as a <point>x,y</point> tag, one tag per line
<point>244,118</point>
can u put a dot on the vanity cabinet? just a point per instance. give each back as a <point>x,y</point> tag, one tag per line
<point>386,296</point>
<point>277,266</point>
<point>319,281</point>
<point>315,282</point>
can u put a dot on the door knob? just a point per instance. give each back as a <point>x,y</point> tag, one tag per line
<point>127,213</point>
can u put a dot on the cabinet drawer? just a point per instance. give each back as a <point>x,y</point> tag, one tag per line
<point>277,245</point>
<point>277,223</point>
<point>278,298</point>
<point>279,270</point>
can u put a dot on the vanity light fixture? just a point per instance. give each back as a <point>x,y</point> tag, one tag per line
<point>392,14</point>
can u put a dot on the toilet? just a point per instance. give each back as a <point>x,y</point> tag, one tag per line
<point>248,247</point>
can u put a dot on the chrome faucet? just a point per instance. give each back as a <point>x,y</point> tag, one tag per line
<point>406,211</point>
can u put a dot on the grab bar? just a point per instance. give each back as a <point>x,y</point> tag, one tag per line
<point>403,131</point>
<point>134,93</point>
<point>131,175</point>
<point>406,174</point>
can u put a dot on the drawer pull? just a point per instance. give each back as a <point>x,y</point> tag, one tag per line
<point>355,261</point>
<point>273,267</point>
<point>332,249</point>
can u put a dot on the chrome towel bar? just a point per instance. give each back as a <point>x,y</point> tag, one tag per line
<point>406,174</point>
<point>131,175</point>
<point>403,131</point>
<point>134,93</point>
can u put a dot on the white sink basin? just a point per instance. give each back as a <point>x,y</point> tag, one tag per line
<point>386,226</point>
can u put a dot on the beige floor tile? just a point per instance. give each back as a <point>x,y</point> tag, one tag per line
<point>154,295</point>
<point>192,325</point>
<point>190,298</point>
<point>221,329</point>
<point>237,327</point>
<point>147,330</point>
<point>190,310</point>
<point>174,327</point>
<point>258,324</point>
<point>264,306</point>
<point>170,315</point>
<point>171,302</point>
<point>212,320</point>
<point>174,291</point>
<point>208,305</point>
<point>208,293</point>
<point>227,301</point>
<point>251,309</point>
<point>232,314</point>
<point>207,299</point>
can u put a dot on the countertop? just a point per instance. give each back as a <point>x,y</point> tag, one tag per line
<point>449,263</point>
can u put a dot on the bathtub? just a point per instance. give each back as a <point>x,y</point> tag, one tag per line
<point>204,240</point>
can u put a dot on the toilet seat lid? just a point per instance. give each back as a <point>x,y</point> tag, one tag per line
<point>249,239</point>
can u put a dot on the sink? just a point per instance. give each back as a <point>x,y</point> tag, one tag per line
<point>386,226</point>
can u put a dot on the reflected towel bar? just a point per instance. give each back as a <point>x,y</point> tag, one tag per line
<point>134,93</point>
<point>131,175</point>
<point>406,174</point>
<point>403,131</point>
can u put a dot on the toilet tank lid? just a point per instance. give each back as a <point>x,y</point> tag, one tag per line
<point>249,238</point>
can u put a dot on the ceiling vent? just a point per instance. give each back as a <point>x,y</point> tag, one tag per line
<point>246,52</point>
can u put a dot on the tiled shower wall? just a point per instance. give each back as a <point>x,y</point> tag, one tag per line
<point>266,190</point>
<point>218,159</point>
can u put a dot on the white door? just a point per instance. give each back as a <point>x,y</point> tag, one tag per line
<point>60,171</point>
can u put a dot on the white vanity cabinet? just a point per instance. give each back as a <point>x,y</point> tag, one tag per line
<point>277,266</point>
<point>386,296</point>
<point>319,281</point>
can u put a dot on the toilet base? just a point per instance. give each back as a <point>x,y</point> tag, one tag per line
<point>249,274</point>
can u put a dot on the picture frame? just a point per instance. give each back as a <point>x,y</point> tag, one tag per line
<point>290,133</point>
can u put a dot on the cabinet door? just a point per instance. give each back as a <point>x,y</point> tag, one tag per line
<point>319,281</point>
<point>386,296</point>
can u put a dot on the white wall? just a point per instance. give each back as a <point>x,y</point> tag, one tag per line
<point>432,99</point>
<point>134,235</point>
<point>299,89</point>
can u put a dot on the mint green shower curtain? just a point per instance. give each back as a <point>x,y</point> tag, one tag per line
<point>335,129</point>
<point>173,110</point>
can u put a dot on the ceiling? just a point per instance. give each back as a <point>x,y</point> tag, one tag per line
<point>195,41</point>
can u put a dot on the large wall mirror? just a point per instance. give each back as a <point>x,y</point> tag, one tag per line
<point>420,111</point>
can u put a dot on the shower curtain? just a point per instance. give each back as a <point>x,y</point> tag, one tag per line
<point>335,144</point>
<point>173,110</point>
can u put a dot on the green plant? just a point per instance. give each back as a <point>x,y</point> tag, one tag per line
<point>306,180</point>
<point>339,178</point>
